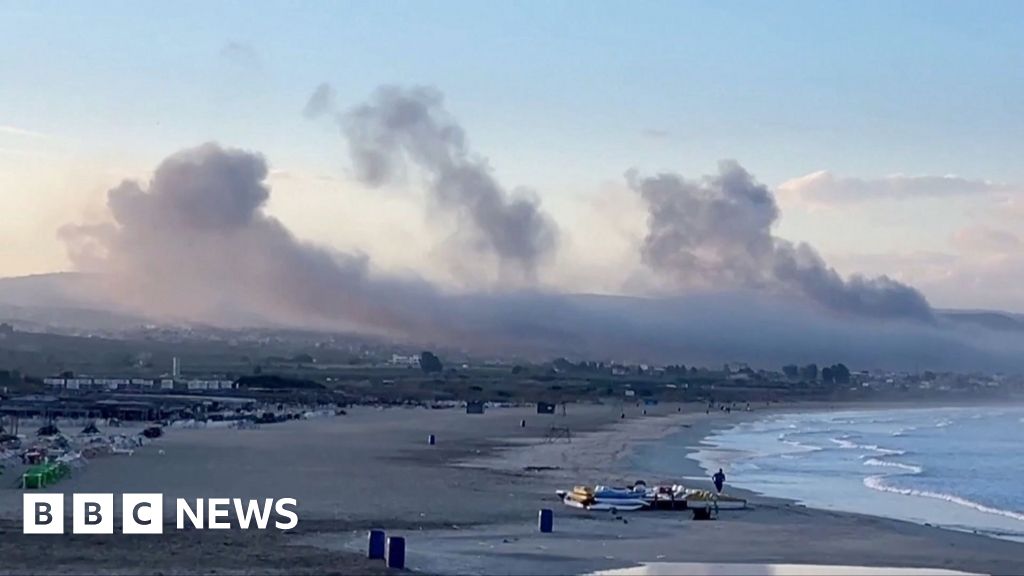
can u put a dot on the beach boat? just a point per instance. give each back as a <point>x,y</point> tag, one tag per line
<point>666,497</point>
<point>708,499</point>
<point>603,498</point>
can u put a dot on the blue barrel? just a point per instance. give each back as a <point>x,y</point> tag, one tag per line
<point>376,547</point>
<point>396,552</point>
<point>546,520</point>
<point>645,411</point>
<point>431,440</point>
<point>522,423</point>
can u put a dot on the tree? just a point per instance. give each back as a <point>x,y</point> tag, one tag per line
<point>827,375</point>
<point>809,372</point>
<point>562,365</point>
<point>430,363</point>
<point>792,371</point>
<point>841,373</point>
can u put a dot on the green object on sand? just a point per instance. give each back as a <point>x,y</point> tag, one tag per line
<point>34,478</point>
<point>42,475</point>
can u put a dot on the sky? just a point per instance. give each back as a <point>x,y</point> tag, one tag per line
<point>890,133</point>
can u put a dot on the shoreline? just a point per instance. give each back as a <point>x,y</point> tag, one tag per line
<point>951,501</point>
<point>622,441</point>
<point>469,503</point>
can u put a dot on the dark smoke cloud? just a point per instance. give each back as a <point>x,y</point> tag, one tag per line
<point>717,232</point>
<point>399,126</point>
<point>195,243</point>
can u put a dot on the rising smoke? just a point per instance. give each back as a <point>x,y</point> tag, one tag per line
<point>399,126</point>
<point>195,243</point>
<point>716,232</point>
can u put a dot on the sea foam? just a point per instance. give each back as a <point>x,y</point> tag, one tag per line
<point>878,483</point>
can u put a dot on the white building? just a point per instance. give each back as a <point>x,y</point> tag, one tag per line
<point>413,360</point>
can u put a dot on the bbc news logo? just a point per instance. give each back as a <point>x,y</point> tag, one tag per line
<point>144,513</point>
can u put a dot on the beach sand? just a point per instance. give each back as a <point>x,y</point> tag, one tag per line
<point>466,505</point>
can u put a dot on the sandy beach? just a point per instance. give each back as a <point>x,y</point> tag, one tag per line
<point>466,505</point>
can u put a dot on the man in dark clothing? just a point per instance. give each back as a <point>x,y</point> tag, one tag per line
<point>719,480</point>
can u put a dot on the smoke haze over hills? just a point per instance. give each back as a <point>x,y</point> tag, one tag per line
<point>195,243</point>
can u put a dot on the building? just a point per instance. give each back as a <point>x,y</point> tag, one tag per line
<point>411,361</point>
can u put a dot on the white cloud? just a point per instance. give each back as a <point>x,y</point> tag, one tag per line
<point>983,270</point>
<point>825,189</point>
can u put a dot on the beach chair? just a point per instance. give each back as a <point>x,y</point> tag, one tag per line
<point>50,474</point>
<point>33,479</point>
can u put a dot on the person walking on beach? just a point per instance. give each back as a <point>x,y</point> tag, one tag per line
<point>719,480</point>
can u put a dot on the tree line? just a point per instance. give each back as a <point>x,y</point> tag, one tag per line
<point>834,374</point>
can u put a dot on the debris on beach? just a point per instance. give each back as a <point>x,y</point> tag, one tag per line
<point>640,497</point>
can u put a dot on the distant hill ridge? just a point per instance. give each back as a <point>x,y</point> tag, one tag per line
<point>64,296</point>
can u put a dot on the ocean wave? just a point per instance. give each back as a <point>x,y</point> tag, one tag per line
<point>943,423</point>
<point>888,451</point>
<point>802,447</point>
<point>912,469</point>
<point>845,444</point>
<point>878,483</point>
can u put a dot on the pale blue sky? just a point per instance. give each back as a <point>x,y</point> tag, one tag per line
<point>560,96</point>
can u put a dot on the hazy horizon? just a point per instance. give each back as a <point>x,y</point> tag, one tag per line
<point>351,168</point>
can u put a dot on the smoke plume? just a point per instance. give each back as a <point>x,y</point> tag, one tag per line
<point>195,243</point>
<point>716,232</point>
<point>400,126</point>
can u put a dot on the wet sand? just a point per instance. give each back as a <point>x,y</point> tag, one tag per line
<point>466,505</point>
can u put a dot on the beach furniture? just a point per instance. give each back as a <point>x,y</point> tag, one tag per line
<point>376,545</point>
<point>396,552</point>
<point>545,520</point>
<point>702,514</point>
<point>33,479</point>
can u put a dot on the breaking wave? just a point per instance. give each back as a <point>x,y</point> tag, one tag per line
<point>878,483</point>
<point>801,447</point>
<point>845,444</point>
<point>909,468</point>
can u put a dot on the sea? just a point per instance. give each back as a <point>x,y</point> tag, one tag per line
<point>956,468</point>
